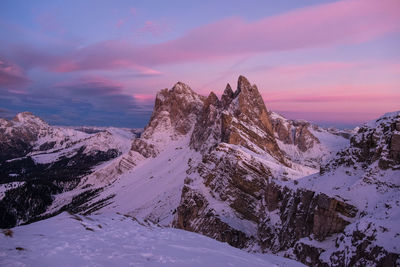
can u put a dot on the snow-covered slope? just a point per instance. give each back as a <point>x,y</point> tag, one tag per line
<point>150,189</point>
<point>365,174</point>
<point>72,240</point>
<point>46,144</point>
<point>45,160</point>
<point>308,144</point>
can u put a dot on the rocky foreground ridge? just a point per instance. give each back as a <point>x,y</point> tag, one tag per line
<point>232,170</point>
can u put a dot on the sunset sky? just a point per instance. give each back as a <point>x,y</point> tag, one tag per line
<point>101,62</point>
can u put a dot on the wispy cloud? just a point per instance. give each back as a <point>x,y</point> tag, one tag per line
<point>325,25</point>
<point>334,98</point>
<point>154,28</point>
<point>120,22</point>
<point>11,75</point>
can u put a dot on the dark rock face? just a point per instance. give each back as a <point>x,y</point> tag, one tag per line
<point>328,216</point>
<point>366,253</point>
<point>210,225</point>
<point>207,130</point>
<point>248,190</point>
<point>308,254</point>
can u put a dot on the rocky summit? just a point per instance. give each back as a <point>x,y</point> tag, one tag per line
<point>227,168</point>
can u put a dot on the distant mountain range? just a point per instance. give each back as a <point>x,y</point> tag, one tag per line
<point>226,168</point>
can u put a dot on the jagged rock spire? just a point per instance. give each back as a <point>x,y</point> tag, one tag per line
<point>227,96</point>
<point>241,119</point>
<point>243,83</point>
<point>212,99</point>
<point>175,110</point>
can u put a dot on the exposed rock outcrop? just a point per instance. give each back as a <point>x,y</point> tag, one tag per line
<point>240,118</point>
<point>264,214</point>
<point>234,189</point>
<point>174,114</point>
<point>377,141</point>
<point>296,133</point>
<point>300,140</point>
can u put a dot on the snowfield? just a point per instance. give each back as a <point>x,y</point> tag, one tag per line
<point>118,240</point>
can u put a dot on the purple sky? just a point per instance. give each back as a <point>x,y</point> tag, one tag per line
<point>101,62</point>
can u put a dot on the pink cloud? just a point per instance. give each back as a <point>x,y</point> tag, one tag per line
<point>120,22</point>
<point>144,98</point>
<point>371,97</point>
<point>343,22</point>
<point>296,70</point>
<point>348,103</point>
<point>331,92</point>
<point>12,76</point>
<point>100,83</point>
<point>88,61</point>
<point>325,25</point>
<point>338,23</point>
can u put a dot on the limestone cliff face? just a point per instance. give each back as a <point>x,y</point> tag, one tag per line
<point>239,118</point>
<point>305,143</point>
<point>295,132</point>
<point>174,114</point>
<point>176,108</point>
<point>261,212</point>
<point>235,195</point>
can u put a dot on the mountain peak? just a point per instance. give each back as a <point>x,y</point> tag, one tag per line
<point>174,113</point>
<point>228,95</point>
<point>182,88</point>
<point>251,104</point>
<point>243,83</point>
<point>212,99</point>
<point>241,119</point>
<point>23,116</point>
<point>28,118</point>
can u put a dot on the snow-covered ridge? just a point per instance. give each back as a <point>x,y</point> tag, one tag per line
<point>384,118</point>
<point>113,239</point>
<point>366,175</point>
<point>374,142</point>
<point>46,144</point>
